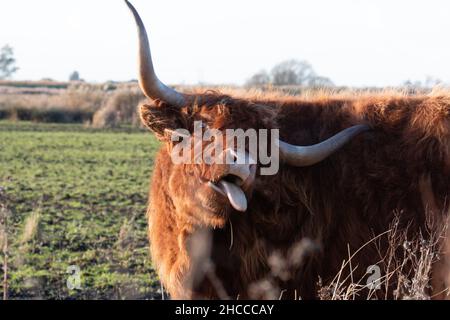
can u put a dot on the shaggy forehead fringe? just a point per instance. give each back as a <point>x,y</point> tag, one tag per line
<point>295,93</point>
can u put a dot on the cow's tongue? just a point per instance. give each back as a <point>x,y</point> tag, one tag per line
<point>235,195</point>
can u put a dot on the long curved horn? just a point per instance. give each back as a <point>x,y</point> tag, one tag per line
<point>152,87</point>
<point>307,156</point>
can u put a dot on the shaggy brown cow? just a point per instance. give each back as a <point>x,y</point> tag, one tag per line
<point>342,194</point>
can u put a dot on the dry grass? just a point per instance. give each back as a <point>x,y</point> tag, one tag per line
<point>4,244</point>
<point>31,227</point>
<point>112,105</point>
<point>119,108</point>
<point>405,269</point>
<point>76,104</point>
<point>313,94</point>
<point>404,278</point>
<point>70,103</point>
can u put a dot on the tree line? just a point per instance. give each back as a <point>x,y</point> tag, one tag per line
<point>287,73</point>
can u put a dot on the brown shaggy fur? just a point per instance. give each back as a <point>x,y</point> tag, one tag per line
<point>402,165</point>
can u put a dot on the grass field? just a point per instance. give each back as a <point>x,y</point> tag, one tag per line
<point>76,196</point>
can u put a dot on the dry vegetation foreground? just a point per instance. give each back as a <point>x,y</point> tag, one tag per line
<point>76,197</point>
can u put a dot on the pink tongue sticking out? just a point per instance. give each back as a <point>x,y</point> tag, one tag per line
<point>235,195</point>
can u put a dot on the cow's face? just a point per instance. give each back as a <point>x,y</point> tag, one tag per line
<point>208,192</point>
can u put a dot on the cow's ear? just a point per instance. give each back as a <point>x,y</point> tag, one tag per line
<point>162,119</point>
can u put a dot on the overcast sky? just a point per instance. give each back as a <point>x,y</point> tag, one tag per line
<point>358,43</point>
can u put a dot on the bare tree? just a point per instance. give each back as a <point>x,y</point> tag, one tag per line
<point>292,72</point>
<point>429,82</point>
<point>319,81</point>
<point>259,79</point>
<point>7,62</point>
<point>74,76</point>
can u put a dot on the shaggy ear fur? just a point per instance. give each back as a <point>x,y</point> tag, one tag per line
<point>162,120</point>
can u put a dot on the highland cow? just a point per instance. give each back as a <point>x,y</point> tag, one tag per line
<point>350,165</point>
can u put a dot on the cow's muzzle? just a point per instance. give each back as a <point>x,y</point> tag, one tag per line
<point>236,180</point>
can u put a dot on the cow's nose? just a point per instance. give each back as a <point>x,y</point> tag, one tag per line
<point>238,173</point>
<point>241,167</point>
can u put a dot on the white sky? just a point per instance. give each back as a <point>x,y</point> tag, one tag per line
<point>381,42</point>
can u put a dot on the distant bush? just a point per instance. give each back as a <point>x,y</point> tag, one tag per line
<point>74,76</point>
<point>119,108</point>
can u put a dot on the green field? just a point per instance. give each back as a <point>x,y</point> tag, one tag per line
<point>76,196</point>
